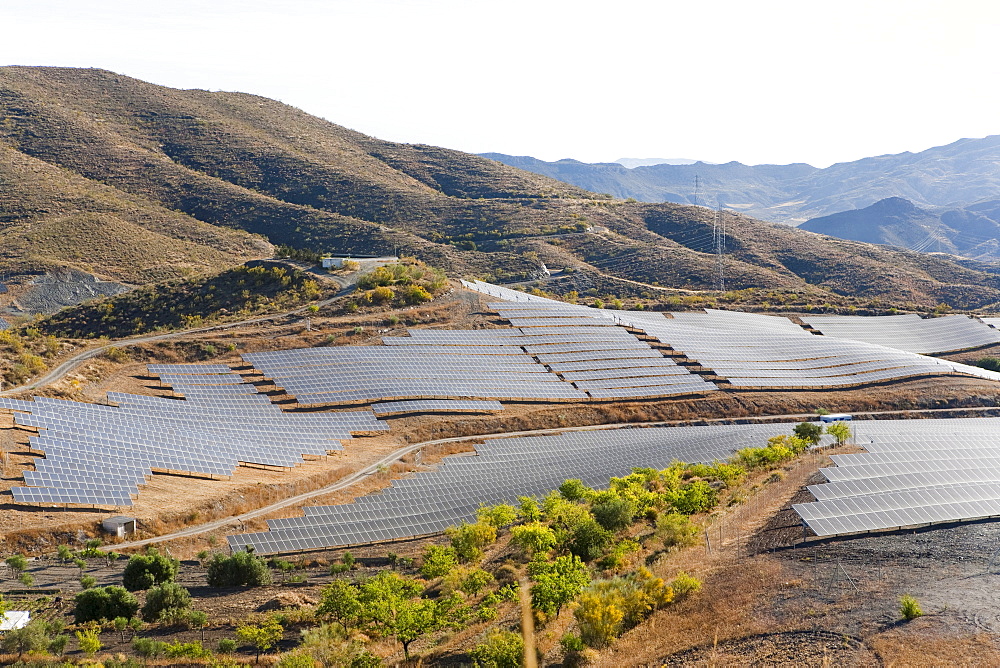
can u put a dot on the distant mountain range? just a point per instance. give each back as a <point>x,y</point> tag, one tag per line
<point>972,231</point>
<point>139,183</point>
<point>957,175</point>
<point>648,162</point>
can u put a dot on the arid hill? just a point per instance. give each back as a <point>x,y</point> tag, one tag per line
<point>137,182</point>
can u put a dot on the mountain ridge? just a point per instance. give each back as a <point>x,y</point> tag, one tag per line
<point>243,170</point>
<point>957,174</point>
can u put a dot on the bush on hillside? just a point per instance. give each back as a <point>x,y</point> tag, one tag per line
<point>240,570</point>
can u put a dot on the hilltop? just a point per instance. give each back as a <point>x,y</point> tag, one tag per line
<point>140,183</point>
<point>959,174</point>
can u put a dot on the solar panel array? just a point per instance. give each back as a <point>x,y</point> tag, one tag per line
<point>502,470</point>
<point>97,455</point>
<point>344,376</point>
<point>914,473</point>
<point>753,351</point>
<point>495,364</point>
<point>435,406</point>
<point>606,361</point>
<point>909,332</point>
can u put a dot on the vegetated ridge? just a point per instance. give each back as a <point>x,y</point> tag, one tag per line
<point>88,150</point>
<point>961,173</point>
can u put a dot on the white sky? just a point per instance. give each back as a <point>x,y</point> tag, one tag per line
<point>759,82</point>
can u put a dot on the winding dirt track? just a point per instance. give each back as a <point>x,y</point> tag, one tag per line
<point>70,364</point>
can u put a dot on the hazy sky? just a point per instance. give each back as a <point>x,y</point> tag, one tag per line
<point>765,81</point>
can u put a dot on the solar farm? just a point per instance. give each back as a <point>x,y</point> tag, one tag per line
<point>536,352</point>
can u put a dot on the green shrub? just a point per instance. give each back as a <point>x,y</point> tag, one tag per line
<point>438,561</point>
<point>676,530</point>
<point>148,570</point>
<point>227,645</point>
<point>685,585</point>
<point>909,607</point>
<point>500,649</point>
<point>240,570</point>
<point>166,602</point>
<point>104,603</point>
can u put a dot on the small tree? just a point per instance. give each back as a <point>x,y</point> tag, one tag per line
<point>90,641</point>
<point>498,516</point>
<point>27,579</point>
<point>88,581</point>
<point>614,513</point>
<point>557,582</point>
<point>57,645</point>
<point>104,603</point>
<point>65,554</point>
<point>470,539</point>
<point>148,570</point>
<point>573,489</point>
<point>16,564</point>
<point>120,624</point>
<point>527,509</point>
<point>31,638</point>
<point>533,538</point>
<point>391,606</point>
<point>808,431</point>
<point>166,602</point>
<point>438,561</point>
<point>588,539</point>
<point>198,620</point>
<point>262,636</point>
<point>840,431</point>
<point>339,602</point>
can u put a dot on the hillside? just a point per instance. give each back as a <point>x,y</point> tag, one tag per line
<point>972,231</point>
<point>956,175</point>
<point>139,183</point>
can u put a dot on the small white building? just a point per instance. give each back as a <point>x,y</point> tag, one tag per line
<point>337,261</point>
<point>120,525</point>
<point>14,619</point>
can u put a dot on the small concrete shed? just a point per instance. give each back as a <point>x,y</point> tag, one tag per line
<point>120,526</point>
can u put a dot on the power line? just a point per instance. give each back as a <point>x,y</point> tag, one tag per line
<point>719,236</point>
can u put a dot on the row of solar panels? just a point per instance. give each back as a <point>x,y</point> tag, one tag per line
<point>99,455</point>
<point>493,364</point>
<point>909,332</point>
<point>914,473</point>
<point>747,349</point>
<point>502,470</point>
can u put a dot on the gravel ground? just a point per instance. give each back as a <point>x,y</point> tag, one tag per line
<point>50,292</point>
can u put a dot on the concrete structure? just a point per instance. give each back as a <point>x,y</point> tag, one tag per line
<point>120,525</point>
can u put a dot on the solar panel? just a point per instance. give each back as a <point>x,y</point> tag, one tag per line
<point>915,472</point>
<point>502,470</point>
